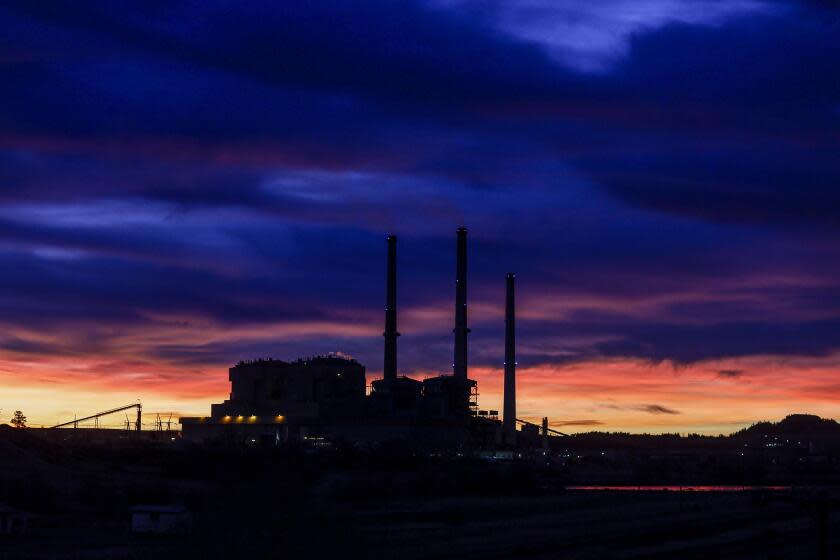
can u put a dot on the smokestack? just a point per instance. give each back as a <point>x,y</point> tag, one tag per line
<point>461,330</point>
<point>545,433</point>
<point>509,418</point>
<point>390,366</point>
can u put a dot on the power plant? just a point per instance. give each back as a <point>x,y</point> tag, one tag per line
<point>326,397</point>
<point>509,404</point>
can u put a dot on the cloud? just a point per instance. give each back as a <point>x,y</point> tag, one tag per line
<point>740,143</point>
<point>224,177</point>
<point>730,373</point>
<point>656,409</point>
<point>578,423</point>
<point>593,36</point>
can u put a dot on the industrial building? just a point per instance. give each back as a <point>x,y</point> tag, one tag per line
<point>325,398</point>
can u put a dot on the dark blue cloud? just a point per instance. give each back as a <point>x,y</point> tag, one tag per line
<point>242,163</point>
<point>752,111</point>
<point>373,46</point>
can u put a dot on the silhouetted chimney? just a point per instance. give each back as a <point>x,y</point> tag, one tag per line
<point>461,330</point>
<point>545,433</point>
<point>509,419</point>
<point>390,366</point>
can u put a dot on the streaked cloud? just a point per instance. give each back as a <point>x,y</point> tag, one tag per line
<point>592,36</point>
<point>183,186</point>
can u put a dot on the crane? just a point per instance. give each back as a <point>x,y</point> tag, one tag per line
<point>98,415</point>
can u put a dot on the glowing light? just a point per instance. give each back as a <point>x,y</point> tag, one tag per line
<point>280,418</point>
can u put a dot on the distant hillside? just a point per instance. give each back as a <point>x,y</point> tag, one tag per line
<point>793,425</point>
<point>801,425</point>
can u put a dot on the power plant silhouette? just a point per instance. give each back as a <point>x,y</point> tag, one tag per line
<point>326,398</point>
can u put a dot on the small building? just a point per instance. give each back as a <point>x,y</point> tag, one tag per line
<point>272,401</point>
<point>447,396</point>
<point>13,521</point>
<point>325,387</point>
<point>397,397</point>
<point>160,519</point>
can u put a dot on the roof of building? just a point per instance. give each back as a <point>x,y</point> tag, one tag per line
<point>324,359</point>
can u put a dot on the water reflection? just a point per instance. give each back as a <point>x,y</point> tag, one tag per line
<point>688,488</point>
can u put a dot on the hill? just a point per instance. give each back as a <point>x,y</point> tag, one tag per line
<point>792,425</point>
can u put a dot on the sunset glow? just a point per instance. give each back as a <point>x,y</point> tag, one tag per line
<point>663,182</point>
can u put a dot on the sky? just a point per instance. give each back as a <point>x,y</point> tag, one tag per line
<point>187,184</point>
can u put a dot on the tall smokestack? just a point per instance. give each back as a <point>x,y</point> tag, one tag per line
<point>545,433</point>
<point>461,330</point>
<point>509,418</point>
<point>390,366</point>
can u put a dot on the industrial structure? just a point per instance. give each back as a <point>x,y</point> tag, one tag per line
<point>324,398</point>
<point>129,424</point>
<point>509,404</point>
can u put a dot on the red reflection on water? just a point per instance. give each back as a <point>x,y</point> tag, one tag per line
<point>673,488</point>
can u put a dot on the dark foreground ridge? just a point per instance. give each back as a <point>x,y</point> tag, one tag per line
<point>88,498</point>
<point>792,425</point>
